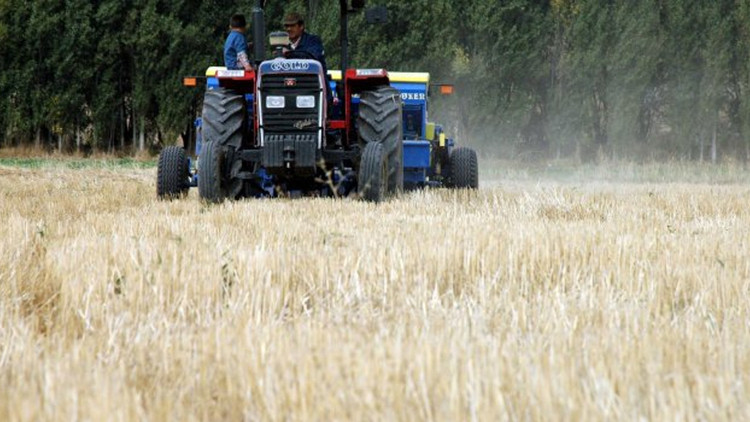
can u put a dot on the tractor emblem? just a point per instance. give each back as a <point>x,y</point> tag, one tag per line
<point>290,82</point>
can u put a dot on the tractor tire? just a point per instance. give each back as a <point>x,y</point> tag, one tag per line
<point>224,117</point>
<point>380,121</point>
<point>173,174</point>
<point>212,183</point>
<point>373,170</point>
<point>464,168</point>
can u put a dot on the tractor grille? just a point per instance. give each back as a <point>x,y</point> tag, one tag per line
<point>307,82</point>
<point>290,119</point>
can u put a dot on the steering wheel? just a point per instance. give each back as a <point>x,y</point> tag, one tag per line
<point>299,54</point>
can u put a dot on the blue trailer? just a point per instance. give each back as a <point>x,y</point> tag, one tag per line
<point>431,158</point>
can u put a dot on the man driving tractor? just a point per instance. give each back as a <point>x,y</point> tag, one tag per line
<point>302,45</point>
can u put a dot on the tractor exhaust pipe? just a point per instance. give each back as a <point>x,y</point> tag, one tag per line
<point>357,5</point>
<point>259,32</point>
<point>344,36</point>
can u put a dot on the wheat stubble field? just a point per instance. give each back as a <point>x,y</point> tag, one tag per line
<point>597,297</point>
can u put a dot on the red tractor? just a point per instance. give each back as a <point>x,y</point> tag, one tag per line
<point>275,131</point>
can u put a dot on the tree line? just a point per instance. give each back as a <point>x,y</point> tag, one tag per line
<point>638,79</point>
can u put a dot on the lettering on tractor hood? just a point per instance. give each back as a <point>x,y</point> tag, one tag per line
<point>302,124</point>
<point>289,65</point>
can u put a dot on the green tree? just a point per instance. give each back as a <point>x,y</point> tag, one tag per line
<point>581,74</point>
<point>112,79</point>
<point>509,82</point>
<point>581,78</point>
<point>71,60</point>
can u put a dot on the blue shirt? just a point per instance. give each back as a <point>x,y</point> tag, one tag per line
<point>234,44</point>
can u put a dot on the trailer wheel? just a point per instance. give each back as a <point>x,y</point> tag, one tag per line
<point>173,174</point>
<point>464,168</point>
<point>212,184</point>
<point>373,169</point>
<point>380,121</point>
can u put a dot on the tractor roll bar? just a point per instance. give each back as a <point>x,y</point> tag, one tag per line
<point>259,30</point>
<point>344,35</point>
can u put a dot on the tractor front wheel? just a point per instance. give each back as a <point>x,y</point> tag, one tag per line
<point>173,174</point>
<point>464,168</point>
<point>212,184</point>
<point>373,173</point>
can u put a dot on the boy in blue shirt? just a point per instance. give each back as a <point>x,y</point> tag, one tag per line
<point>235,47</point>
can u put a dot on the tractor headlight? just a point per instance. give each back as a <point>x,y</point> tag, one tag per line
<point>306,101</point>
<point>275,101</point>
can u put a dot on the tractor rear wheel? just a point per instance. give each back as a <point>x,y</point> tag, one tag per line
<point>380,121</point>
<point>212,185</point>
<point>172,176</point>
<point>224,120</point>
<point>373,170</point>
<point>464,168</point>
<point>224,114</point>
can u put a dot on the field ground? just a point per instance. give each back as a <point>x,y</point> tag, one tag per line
<point>552,293</point>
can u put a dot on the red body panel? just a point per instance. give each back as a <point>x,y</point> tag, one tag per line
<point>337,124</point>
<point>244,84</point>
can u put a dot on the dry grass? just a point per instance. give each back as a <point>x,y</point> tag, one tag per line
<point>529,299</point>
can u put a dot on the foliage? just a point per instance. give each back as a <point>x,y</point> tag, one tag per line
<point>578,78</point>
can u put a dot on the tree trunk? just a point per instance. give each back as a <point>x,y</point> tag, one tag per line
<point>78,137</point>
<point>133,125</point>
<point>112,136</point>
<point>142,136</point>
<point>713,141</point>
<point>122,127</point>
